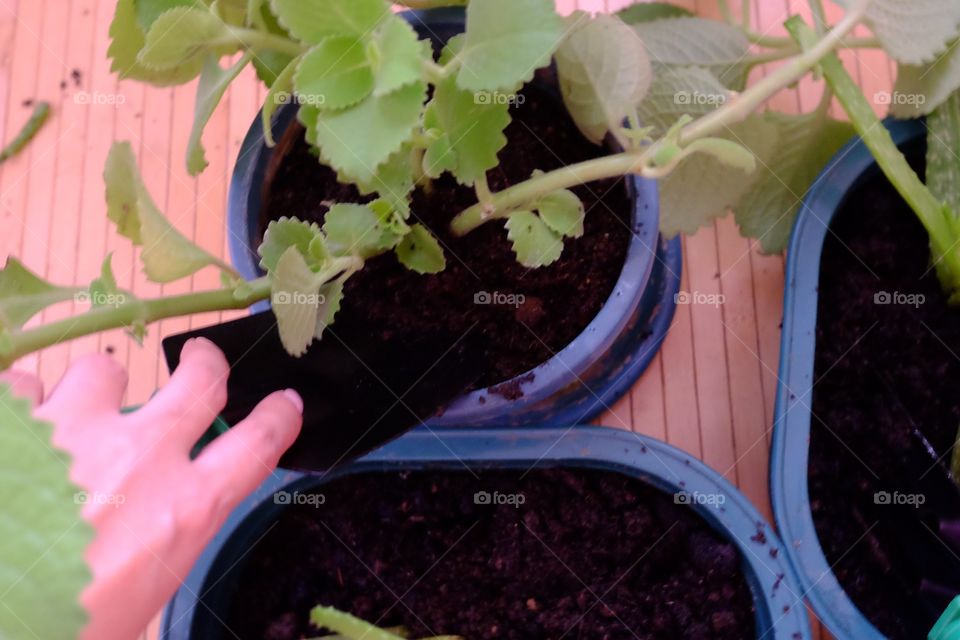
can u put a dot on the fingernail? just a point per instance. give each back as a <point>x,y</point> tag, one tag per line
<point>295,398</point>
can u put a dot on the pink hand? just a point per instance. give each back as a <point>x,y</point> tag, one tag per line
<point>153,509</point>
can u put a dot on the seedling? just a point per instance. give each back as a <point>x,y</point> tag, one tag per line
<point>348,627</point>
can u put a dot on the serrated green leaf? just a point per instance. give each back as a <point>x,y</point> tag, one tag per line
<point>699,42</point>
<point>913,31</point>
<point>23,294</point>
<point>355,229</point>
<point>563,212</point>
<point>420,251</point>
<point>44,536</point>
<point>149,10</point>
<point>127,39</point>
<point>804,146</point>
<point>308,116</point>
<point>506,41</point>
<point>184,37</point>
<point>356,141</point>
<point>295,299</point>
<point>401,56</point>
<point>279,94</point>
<point>439,156</point>
<point>310,21</point>
<point>331,298</point>
<point>943,146</point>
<point>269,64</point>
<point>167,254</point>
<point>214,82</point>
<point>679,91</point>
<point>103,290</point>
<point>285,233</point>
<point>920,90</point>
<point>604,73</point>
<point>335,74</point>
<point>393,219</point>
<point>649,11</point>
<point>393,181</point>
<point>534,243</point>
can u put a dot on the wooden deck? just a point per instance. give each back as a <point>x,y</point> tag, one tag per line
<point>710,391</point>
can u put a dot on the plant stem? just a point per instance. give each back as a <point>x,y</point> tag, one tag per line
<point>819,17</point>
<point>261,40</point>
<point>789,51</point>
<point>734,111</point>
<point>101,319</point>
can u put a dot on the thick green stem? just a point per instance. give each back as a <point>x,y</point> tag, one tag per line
<point>124,315</point>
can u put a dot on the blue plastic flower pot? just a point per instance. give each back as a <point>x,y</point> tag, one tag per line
<point>780,615</point>
<point>582,379</point>
<point>791,435</point>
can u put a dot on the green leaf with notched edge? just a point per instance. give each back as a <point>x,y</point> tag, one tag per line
<point>356,141</point>
<point>269,64</point>
<point>335,74</point>
<point>604,73</point>
<point>649,11</point>
<point>23,294</point>
<point>913,31</point>
<point>280,92</point>
<point>310,21</point>
<point>167,254</point>
<point>127,39</point>
<point>401,56</point>
<point>289,232</point>
<point>920,90</point>
<point>393,181</point>
<point>535,244</point>
<point>943,147</point>
<point>420,251</point>
<point>698,42</point>
<point>805,144</point>
<point>679,91</point>
<point>308,116</point>
<point>506,41</point>
<point>184,36</point>
<point>42,567</point>
<point>104,290</point>
<point>439,156</point>
<point>331,295</point>
<point>149,10</point>
<point>214,81</point>
<point>563,212</point>
<point>295,300</point>
<point>355,229</point>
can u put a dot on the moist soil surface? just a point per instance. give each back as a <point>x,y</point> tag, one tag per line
<point>420,550</point>
<point>558,300</point>
<point>886,363</point>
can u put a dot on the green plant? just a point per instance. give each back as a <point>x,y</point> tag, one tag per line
<point>348,627</point>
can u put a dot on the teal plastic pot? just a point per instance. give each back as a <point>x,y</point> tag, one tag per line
<point>780,615</point>
<point>791,434</point>
<point>584,378</point>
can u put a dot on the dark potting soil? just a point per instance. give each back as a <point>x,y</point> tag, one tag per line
<point>420,550</point>
<point>886,363</point>
<point>558,301</point>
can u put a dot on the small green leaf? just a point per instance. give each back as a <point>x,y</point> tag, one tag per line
<point>167,254</point>
<point>310,21</point>
<point>214,82</point>
<point>421,252</point>
<point>184,37</point>
<point>698,42</point>
<point>913,31</point>
<point>335,74</point>
<point>439,156</point>
<point>506,41</point>
<point>285,233</point>
<point>355,229</point>
<point>280,92</point>
<point>23,294</point>
<point>535,244</point>
<point>649,11</point>
<point>679,91</point>
<point>604,74</point>
<point>308,116</point>
<point>920,90</point>
<point>104,290</point>
<point>348,626</point>
<point>393,181</point>
<point>401,56</point>
<point>269,64</point>
<point>943,145</point>
<point>44,536</point>
<point>563,212</point>
<point>126,41</point>
<point>295,299</point>
<point>356,141</point>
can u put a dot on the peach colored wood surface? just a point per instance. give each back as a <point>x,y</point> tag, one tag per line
<point>710,390</point>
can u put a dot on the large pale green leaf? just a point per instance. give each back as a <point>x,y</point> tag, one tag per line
<point>943,149</point>
<point>214,81</point>
<point>295,299</point>
<point>289,232</point>
<point>167,254</point>
<point>355,229</point>
<point>648,11</point>
<point>604,73</point>
<point>335,74</point>
<point>184,37</point>
<point>679,91</point>
<point>401,56</point>
<point>42,534</point>
<point>535,244</point>
<point>913,31</point>
<point>127,39</point>
<point>23,294</point>
<point>506,41</point>
<point>421,252</point>
<point>921,89</point>
<point>698,42</point>
<point>310,21</point>
<point>356,141</point>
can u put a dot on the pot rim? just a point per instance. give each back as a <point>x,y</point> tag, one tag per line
<point>789,454</point>
<point>779,609</point>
